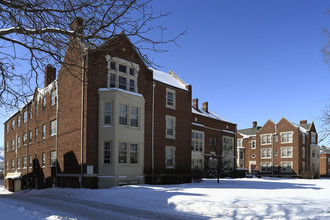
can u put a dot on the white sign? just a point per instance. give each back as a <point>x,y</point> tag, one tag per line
<point>90,170</point>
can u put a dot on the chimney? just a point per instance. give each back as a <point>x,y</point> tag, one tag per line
<point>303,122</point>
<point>77,25</point>
<point>254,124</point>
<point>50,75</point>
<point>206,106</point>
<point>195,103</point>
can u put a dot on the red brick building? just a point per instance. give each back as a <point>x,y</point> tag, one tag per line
<point>107,119</point>
<point>324,163</point>
<point>282,149</point>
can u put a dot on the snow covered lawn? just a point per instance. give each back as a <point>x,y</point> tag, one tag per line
<point>266,198</point>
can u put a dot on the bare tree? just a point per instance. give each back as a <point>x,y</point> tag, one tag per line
<point>325,127</point>
<point>40,28</point>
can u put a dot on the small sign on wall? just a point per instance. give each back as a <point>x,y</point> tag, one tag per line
<point>89,170</point>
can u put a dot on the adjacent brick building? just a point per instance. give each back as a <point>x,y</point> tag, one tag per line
<point>324,163</point>
<point>107,119</point>
<point>282,149</point>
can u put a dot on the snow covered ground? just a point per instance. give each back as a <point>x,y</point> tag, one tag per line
<point>266,198</point>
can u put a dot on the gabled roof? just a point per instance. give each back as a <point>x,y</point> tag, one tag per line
<point>306,126</point>
<point>249,131</point>
<point>170,79</point>
<point>209,114</point>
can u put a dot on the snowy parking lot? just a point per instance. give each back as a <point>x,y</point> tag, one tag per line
<point>265,198</point>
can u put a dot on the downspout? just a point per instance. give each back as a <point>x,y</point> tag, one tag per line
<point>82,119</point>
<point>56,139</point>
<point>152,132</point>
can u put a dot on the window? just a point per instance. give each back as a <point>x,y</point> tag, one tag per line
<point>43,159</point>
<point>303,152</point>
<point>197,164</point>
<point>113,65</point>
<point>265,153</point>
<point>30,137</point>
<point>170,98</point>
<point>131,71</point>
<point>107,113</point>
<point>44,103</point>
<point>122,152</point>
<point>53,158</point>
<point>313,153</point>
<point>13,124</point>
<point>18,121</point>
<point>53,127</point>
<point>7,146</point>
<point>37,109</point>
<point>276,153</point>
<point>265,167</point>
<point>170,157</point>
<point>12,164</point>
<point>253,155</point>
<point>25,117</point>
<point>239,142</point>
<point>43,131</point>
<point>286,167</point>
<point>303,166</point>
<point>253,144</point>
<point>107,152</point>
<point>53,96</point>
<point>36,135</point>
<point>18,163</point>
<point>286,137</point>
<point>313,138</point>
<point>19,141</point>
<point>30,112</point>
<point>122,83</point>
<point>131,85</point>
<point>122,68</point>
<point>134,116</point>
<point>112,80</point>
<point>133,154</point>
<point>210,141</point>
<point>286,152</point>
<point>7,128</point>
<point>24,162</point>
<point>7,165</point>
<point>170,127</point>
<point>123,115</point>
<point>241,155</point>
<point>30,161</point>
<point>265,139</point>
<point>197,141</point>
<point>13,144</point>
<point>276,167</point>
<point>303,138</point>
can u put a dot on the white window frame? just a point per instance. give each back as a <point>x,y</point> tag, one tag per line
<point>12,164</point>
<point>24,139</point>
<point>43,160</point>
<point>240,143</point>
<point>43,131</point>
<point>53,158</point>
<point>284,152</point>
<point>286,163</point>
<point>303,137</point>
<point>268,167</point>
<point>123,113</point>
<point>199,147</point>
<point>18,121</point>
<point>24,162</point>
<point>13,124</point>
<point>12,144</point>
<point>107,150</point>
<point>53,127</point>
<point>18,163</point>
<point>286,137</point>
<point>36,134</point>
<point>253,144</point>
<point>30,161</point>
<point>266,135</point>
<point>172,154</point>
<point>18,142</point>
<point>107,113</point>
<point>30,136</point>
<point>53,97</point>
<point>134,116</point>
<point>266,149</point>
<point>173,106</point>
<point>169,118</point>
<point>25,117</point>
<point>313,138</point>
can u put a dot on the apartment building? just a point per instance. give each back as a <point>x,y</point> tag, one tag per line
<point>282,149</point>
<point>106,119</point>
<point>213,140</point>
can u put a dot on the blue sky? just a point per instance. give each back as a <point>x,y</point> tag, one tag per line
<point>252,60</point>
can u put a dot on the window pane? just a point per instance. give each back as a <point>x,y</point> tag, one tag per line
<point>170,98</point>
<point>123,115</point>
<point>131,71</point>
<point>122,153</point>
<point>107,113</point>
<point>107,149</point>
<point>113,65</point>
<point>112,80</point>
<point>122,68</point>
<point>134,154</point>
<point>122,83</point>
<point>134,116</point>
<point>131,85</point>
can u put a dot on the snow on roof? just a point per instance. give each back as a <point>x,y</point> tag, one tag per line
<point>169,78</point>
<point>121,90</point>
<point>208,114</point>
<point>301,129</point>
<point>44,91</point>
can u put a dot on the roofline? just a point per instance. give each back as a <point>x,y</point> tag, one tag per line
<point>211,117</point>
<point>185,90</point>
<point>19,110</point>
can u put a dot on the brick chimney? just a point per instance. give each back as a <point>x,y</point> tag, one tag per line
<point>254,124</point>
<point>195,103</point>
<point>206,106</point>
<point>50,75</point>
<point>77,25</point>
<point>303,122</point>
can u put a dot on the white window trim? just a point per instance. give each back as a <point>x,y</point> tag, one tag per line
<point>282,167</point>
<point>174,126</point>
<point>103,152</point>
<point>267,142</point>
<point>287,132</point>
<point>128,153</point>
<point>255,144</point>
<point>166,149</point>
<point>194,139</point>
<point>111,114</point>
<point>287,151</point>
<point>240,140</point>
<point>174,98</point>
<point>53,127</point>
<point>266,156</point>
